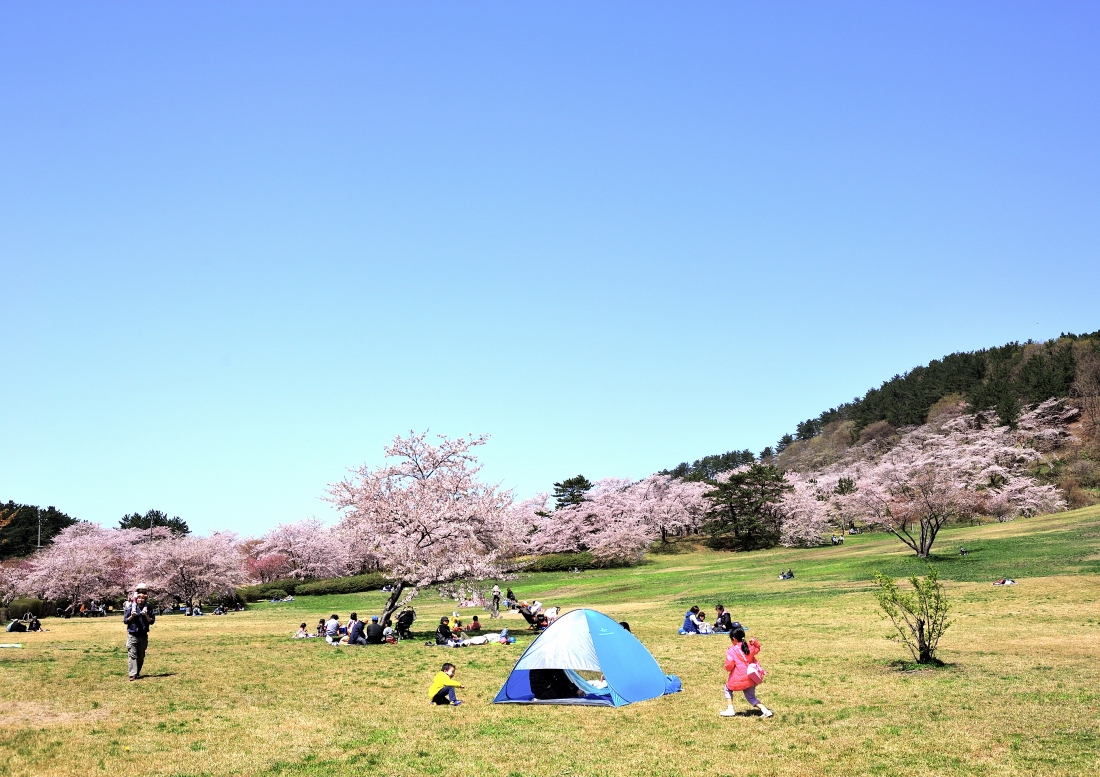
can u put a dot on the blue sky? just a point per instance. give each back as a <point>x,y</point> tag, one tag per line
<point>242,246</point>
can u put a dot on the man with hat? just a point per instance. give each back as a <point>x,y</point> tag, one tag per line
<point>374,631</point>
<point>138,617</point>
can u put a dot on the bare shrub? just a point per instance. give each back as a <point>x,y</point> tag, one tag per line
<point>880,431</point>
<point>947,409</point>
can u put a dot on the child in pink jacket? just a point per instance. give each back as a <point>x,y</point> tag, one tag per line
<point>738,657</point>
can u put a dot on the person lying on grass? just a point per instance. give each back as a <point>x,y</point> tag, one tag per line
<point>739,655</point>
<point>442,689</point>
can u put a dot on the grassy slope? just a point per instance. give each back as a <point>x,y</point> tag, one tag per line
<point>1021,693</point>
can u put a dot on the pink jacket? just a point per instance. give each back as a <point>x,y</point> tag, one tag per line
<point>737,664</point>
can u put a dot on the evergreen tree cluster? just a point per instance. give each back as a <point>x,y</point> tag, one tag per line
<point>709,466</point>
<point>1004,379</point>
<point>19,528</point>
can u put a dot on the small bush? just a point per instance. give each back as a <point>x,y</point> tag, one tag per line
<point>276,593</point>
<point>342,585</point>
<point>920,617</point>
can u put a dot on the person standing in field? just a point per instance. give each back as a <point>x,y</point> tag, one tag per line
<point>138,617</point>
<point>740,654</point>
<point>496,597</point>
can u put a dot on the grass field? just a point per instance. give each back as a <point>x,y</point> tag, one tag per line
<point>1020,693</point>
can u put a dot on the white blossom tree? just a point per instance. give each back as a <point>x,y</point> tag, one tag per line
<point>189,569</point>
<point>310,549</point>
<point>426,517</point>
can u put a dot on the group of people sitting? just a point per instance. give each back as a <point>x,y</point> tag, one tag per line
<point>354,632</point>
<point>453,634</point>
<point>786,575</point>
<point>29,622</point>
<point>695,622</point>
<point>838,539</point>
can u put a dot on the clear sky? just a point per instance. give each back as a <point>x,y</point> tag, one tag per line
<point>243,245</point>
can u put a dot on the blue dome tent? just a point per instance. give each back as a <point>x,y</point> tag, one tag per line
<point>548,672</point>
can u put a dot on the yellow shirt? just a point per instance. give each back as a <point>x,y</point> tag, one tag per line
<point>441,681</point>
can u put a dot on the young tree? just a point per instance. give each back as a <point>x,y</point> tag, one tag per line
<point>152,519</point>
<point>743,512</point>
<point>920,617</point>
<point>188,569</point>
<point>426,517</point>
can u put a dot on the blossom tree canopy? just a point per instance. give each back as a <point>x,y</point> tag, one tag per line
<point>188,569</point>
<point>86,562</point>
<point>966,466</point>
<point>426,517</point>
<point>310,549</point>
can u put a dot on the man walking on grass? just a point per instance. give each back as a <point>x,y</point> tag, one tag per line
<point>138,617</point>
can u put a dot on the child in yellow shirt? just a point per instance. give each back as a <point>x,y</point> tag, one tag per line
<point>442,690</point>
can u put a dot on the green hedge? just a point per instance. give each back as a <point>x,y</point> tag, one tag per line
<point>334,585</point>
<point>261,591</point>
<point>342,585</point>
<point>565,562</point>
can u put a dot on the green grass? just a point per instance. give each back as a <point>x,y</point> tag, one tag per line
<point>1019,692</point>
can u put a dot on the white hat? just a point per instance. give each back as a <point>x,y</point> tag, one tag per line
<point>141,587</point>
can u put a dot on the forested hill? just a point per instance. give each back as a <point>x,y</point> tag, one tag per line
<point>1004,379</point>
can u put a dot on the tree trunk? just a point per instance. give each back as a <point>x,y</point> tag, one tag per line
<point>391,603</point>
<point>664,535</point>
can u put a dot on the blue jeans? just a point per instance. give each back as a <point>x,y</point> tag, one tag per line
<point>446,695</point>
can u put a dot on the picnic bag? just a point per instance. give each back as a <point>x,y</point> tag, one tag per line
<point>755,673</point>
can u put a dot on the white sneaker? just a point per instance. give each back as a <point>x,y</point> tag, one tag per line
<point>765,712</point>
<point>728,712</point>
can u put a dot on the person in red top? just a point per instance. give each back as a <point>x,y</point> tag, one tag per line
<point>740,654</point>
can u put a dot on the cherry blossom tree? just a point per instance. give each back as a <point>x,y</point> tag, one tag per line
<point>86,562</point>
<point>968,465</point>
<point>669,504</point>
<point>188,569</point>
<point>268,567</point>
<point>11,581</point>
<point>804,516</point>
<point>310,549</point>
<point>426,517</point>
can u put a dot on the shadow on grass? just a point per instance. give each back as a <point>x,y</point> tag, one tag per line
<point>911,667</point>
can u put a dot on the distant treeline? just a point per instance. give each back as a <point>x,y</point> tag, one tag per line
<point>19,528</point>
<point>1003,379</point>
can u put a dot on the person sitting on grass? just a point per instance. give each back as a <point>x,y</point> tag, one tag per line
<point>691,621</point>
<point>374,631</point>
<point>332,629</point>
<point>355,630</point>
<point>302,633</point>
<point>722,620</point>
<point>443,633</point>
<point>704,627</point>
<point>320,628</point>
<point>739,655</point>
<point>474,627</point>
<point>442,689</point>
<point>456,629</point>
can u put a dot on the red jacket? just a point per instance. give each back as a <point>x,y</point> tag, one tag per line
<point>737,664</point>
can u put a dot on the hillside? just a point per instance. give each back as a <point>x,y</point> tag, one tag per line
<point>996,385</point>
